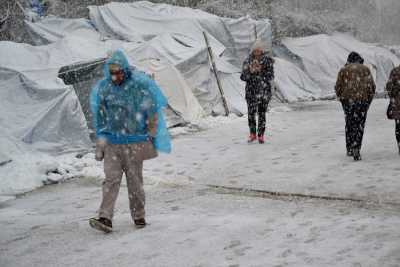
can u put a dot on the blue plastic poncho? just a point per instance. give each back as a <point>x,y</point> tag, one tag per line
<point>120,112</point>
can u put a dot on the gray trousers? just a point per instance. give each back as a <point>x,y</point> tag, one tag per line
<point>128,159</point>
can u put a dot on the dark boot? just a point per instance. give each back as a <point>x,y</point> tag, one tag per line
<point>350,153</point>
<point>101,224</point>
<point>356,155</point>
<point>140,223</point>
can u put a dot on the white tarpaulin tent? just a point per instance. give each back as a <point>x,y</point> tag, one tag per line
<point>175,34</point>
<point>40,115</point>
<point>143,21</point>
<point>52,29</point>
<point>323,56</point>
<point>180,97</point>
<point>175,37</point>
<point>293,83</point>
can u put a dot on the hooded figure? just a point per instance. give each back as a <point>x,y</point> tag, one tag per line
<point>130,128</point>
<point>355,89</point>
<point>393,90</point>
<point>258,73</point>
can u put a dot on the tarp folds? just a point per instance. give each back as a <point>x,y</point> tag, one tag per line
<point>323,56</point>
<point>51,29</point>
<point>33,114</point>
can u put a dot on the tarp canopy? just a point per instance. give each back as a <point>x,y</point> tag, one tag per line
<point>144,21</point>
<point>180,96</point>
<point>40,115</point>
<point>293,83</point>
<point>52,29</point>
<point>323,56</point>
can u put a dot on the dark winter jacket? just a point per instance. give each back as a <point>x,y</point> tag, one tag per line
<point>393,90</point>
<point>258,84</point>
<point>355,82</point>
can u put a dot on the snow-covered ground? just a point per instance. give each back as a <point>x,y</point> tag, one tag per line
<point>193,224</point>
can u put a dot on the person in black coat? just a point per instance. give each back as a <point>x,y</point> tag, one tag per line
<point>258,73</point>
<point>393,90</point>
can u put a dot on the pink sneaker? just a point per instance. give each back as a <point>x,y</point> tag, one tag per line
<point>261,139</point>
<point>252,138</point>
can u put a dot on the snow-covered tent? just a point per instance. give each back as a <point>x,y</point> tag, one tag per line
<point>293,83</point>
<point>40,115</point>
<point>52,29</point>
<point>183,107</point>
<point>323,56</point>
<point>181,100</point>
<point>144,21</point>
<point>176,38</point>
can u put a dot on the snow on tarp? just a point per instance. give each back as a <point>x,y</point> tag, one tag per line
<point>180,96</point>
<point>323,56</point>
<point>144,21</point>
<point>52,29</point>
<point>191,59</point>
<point>245,31</point>
<point>293,83</point>
<point>174,36</point>
<point>40,115</point>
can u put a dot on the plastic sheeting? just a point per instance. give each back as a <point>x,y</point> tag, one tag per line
<point>175,34</point>
<point>52,29</point>
<point>174,38</point>
<point>145,21</point>
<point>324,55</point>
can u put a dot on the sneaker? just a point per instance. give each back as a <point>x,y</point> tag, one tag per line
<point>140,223</point>
<point>356,155</point>
<point>252,138</point>
<point>261,139</point>
<point>101,224</point>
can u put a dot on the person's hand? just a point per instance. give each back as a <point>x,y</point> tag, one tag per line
<point>255,66</point>
<point>100,147</point>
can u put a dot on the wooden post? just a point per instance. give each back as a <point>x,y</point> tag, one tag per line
<point>210,53</point>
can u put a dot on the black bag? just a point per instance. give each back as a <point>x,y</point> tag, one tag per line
<point>393,111</point>
<point>389,112</point>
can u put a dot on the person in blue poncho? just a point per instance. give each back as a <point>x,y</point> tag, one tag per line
<point>127,115</point>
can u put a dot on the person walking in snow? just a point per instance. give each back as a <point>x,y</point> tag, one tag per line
<point>258,73</point>
<point>393,90</point>
<point>127,115</point>
<point>355,88</point>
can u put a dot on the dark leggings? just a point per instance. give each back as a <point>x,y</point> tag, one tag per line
<point>257,107</point>
<point>398,131</point>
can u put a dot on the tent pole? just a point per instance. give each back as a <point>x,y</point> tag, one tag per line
<point>210,53</point>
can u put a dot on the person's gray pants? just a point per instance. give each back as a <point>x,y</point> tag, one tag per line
<point>119,159</point>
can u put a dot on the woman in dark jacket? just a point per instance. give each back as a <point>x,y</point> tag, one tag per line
<point>393,90</point>
<point>258,72</point>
